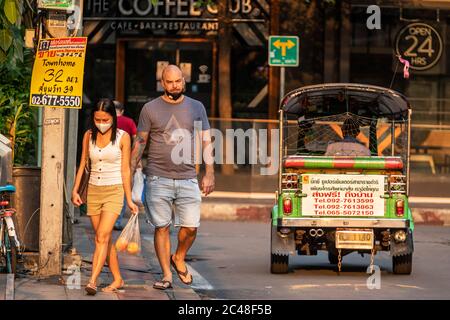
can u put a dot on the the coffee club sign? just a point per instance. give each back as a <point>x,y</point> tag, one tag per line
<point>169,15</point>
<point>420,44</point>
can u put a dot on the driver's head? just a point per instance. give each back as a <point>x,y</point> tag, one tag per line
<point>350,127</point>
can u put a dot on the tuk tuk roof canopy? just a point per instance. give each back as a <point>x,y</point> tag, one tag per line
<point>337,98</point>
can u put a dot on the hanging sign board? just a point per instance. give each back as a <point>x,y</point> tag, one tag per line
<point>57,79</point>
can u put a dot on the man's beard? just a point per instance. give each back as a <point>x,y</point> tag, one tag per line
<point>173,96</point>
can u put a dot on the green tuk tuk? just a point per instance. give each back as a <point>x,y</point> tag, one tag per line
<point>353,198</point>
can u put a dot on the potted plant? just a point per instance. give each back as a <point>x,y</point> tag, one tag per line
<point>18,121</point>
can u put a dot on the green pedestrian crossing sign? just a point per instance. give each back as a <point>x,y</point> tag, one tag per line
<point>283,51</point>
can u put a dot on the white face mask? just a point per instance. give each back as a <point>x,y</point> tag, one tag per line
<point>103,127</point>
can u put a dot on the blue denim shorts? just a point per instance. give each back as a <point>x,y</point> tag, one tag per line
<point>180,196</point>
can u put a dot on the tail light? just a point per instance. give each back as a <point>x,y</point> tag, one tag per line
<point>4,203</point>
<point>400,208</point>
<point>287,205</point>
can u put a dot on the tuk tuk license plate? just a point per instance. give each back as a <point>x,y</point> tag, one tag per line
<point>354,239</point>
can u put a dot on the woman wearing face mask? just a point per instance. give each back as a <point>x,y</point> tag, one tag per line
<point>109,155</point>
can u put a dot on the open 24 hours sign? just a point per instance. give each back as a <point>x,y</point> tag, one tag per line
<point>57,79</point>
<point>343,195</point>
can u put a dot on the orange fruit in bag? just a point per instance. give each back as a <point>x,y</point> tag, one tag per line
<point>133,248</point>
<point>121,244</point>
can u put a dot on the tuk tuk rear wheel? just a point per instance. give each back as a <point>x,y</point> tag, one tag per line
<point>279,263</point>
<point>402,264</point>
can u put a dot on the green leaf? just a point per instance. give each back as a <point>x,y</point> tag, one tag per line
<point>18,50</point>
<point>11,11</point>
<point>5,39</point>
<point>2,57</point>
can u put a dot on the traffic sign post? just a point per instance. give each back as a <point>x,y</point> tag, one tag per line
<point>283,52</point>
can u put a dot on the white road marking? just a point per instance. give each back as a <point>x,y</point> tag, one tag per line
<point>355,286</point>
<point>199,282</point>
<point>408,287</point>
<point>304,286</point>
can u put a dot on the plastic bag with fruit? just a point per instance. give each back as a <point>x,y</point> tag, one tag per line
<point>129,240</point>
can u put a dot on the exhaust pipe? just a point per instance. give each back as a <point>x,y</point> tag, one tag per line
<point>320,232</point>
<point>313,232</point>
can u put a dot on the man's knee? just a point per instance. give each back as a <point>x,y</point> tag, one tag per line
<point>162,230</point>
<point>190,231</point>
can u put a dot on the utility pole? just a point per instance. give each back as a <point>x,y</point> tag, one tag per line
<point>72,138</point>
<point>274,72</point>
<point>52,172</point>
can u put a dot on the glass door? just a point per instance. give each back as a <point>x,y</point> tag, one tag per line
<point>143,62</point>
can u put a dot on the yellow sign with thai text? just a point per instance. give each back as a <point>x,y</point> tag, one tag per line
<point>57,79</point>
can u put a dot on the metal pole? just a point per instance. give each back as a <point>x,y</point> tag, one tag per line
<point>393,138</point>
<point>280,151</point>
<point>408,152</point>
<point>282,81</point>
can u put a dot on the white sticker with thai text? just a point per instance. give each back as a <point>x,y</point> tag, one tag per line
<point>343,195</point>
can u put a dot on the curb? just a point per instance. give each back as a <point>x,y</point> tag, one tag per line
<point>224,211</point>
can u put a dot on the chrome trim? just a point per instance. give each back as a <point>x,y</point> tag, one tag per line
<point>344,222</point>
<point>408,152</point>
<point>280,150</point>
<point>393,138</point>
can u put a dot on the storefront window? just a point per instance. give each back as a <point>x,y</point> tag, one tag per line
<point>421,37</point>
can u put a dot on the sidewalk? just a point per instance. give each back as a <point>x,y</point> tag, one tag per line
<point>139,273</point>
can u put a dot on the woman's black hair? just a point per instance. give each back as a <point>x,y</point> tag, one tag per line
<point>106,105</point>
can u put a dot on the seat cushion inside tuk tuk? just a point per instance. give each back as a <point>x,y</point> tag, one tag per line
<point>340,162</point>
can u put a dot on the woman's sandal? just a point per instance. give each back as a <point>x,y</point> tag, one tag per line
<point>180,273</point>
<point>162,285</point>
<point>112,289</point>
<point>91,289</point>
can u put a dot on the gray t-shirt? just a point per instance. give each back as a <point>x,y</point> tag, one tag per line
<point>168,126</point>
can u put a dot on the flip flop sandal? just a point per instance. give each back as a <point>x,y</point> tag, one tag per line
<point>181,273</point>
<point>112,289</point>
<point>91,289</point>
<point>165,284</point>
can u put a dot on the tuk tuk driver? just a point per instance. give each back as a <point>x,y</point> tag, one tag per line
<point>349,145</point>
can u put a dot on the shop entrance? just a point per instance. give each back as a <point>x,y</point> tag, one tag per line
<point>140,63</point>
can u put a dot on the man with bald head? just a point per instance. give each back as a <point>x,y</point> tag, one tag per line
<point>166,123</point>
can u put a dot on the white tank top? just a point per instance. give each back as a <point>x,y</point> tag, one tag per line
<point>106,163</point>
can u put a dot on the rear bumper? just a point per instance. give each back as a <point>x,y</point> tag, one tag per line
<point>344,222</point>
